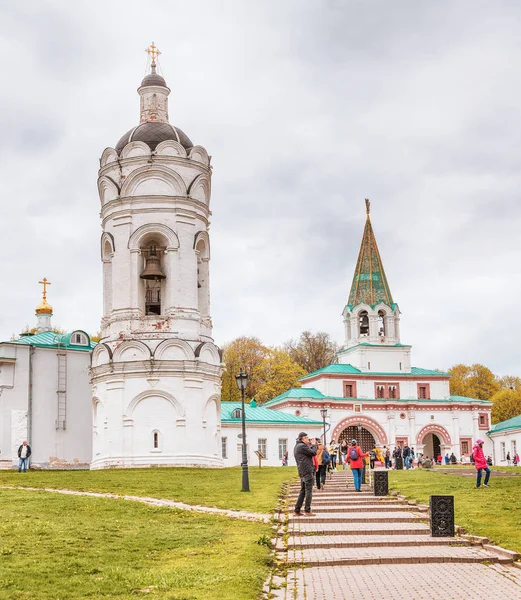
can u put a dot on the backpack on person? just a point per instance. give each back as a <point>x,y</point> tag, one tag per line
<point>326,457</point>
<point>353,453</point>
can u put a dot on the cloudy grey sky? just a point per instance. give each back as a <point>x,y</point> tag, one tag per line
<point>307,107</point>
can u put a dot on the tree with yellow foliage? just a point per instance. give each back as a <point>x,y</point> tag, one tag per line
<point>276,374</point>
<point>473,381</point>
<point>507,404</point>
<point>242,353</point>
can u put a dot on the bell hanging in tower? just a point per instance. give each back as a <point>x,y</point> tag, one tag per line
<point>152,268</point>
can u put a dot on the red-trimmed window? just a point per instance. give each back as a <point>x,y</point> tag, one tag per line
<point>483,421</point>
<point>350,389</point>
<point>424,391</point>
<point>387,390</point>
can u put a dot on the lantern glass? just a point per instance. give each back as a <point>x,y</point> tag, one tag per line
<point>242,380</point>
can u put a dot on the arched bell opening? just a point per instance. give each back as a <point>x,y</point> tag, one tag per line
<point>363,318</point>
<point>382,329</point>
<point>203,278</point>
<point>152,274</point>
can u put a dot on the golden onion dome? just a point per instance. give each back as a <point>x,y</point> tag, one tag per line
<point>44,308</point>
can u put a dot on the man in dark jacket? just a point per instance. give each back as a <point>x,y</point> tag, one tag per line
<point>24,451</point>
<point>304,452</point>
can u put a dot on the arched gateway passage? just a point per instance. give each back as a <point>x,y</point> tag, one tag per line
<point>362,435</point>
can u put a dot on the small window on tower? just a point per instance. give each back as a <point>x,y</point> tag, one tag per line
<point>79,339</point>
<point>392,391</point>
<point>381,323</point>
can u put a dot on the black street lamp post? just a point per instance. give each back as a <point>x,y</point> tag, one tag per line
<point>323,412</point>
<point>242,382</point>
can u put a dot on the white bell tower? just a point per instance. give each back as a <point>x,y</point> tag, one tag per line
<point>156,373</point>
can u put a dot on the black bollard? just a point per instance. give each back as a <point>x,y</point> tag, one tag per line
<point>442,516</point>
<point>381,483</point>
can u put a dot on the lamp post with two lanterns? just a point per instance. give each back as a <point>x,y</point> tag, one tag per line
<point>242,382</point>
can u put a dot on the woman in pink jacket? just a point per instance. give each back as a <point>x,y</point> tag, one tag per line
<point>480,462</point>
<point>355,457</point>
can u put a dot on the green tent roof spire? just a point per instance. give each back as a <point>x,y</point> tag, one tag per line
<point>369,282</point>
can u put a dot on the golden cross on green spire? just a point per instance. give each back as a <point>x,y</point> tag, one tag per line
<point>45,283</point>
<point>367,206</point>
<point>153,52</point>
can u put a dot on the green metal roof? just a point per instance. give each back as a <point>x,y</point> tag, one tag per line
<point>260,414</point>
<point>370,284</point>
<point>348,369</point>
<point>297,393</point>
<point>49,339</point>
<point>513,423</point>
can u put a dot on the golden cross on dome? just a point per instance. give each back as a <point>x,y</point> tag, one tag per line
<point>153,52</point>
<point>367,206</point>
<point>45,283</point>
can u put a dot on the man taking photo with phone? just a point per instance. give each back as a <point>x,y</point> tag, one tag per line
<point>305,450</point>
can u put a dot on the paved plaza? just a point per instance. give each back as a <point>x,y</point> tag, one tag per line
<point>360,547</point>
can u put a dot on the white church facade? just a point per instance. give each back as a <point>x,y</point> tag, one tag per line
<point>373,393</point>
<point>149,393</point>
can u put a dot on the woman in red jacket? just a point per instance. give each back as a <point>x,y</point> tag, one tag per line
<point>480,462</point>
<point>355,456</point>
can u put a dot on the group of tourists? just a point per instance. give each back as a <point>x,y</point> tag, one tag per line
<point>313,459</point>
<point>512,461</point>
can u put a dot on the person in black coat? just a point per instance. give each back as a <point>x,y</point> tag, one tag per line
<point>24,452</point>
<point>305,450</point>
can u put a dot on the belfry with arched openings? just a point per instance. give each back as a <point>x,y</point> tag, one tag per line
<point>156,372</point>
<point>372,392</point>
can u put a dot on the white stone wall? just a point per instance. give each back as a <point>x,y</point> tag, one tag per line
<point>51,448</point>
<point>454,423</point>
<point>512,443</point>
<point>272,434</point>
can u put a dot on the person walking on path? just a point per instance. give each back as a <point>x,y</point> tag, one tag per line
<point>480,463</point>
<point>387,458</point>
<point>322,464</point>
<point>508,458</point>
<point>406,454</point>
<point>342,451</point>
<point>356,462</point>
<point>24,452</point>
<point>304,452</point>
<point>285,459</point>
<point>333,451</point>
<point>372,458</point>
<point>516,459</point>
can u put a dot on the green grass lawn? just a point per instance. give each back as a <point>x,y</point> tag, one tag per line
<point>493,512</point>
<point>68,547</point>
<point>219,488</point>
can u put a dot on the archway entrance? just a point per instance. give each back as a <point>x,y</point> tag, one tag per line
<point>432,447</point>
<point>362,435</point>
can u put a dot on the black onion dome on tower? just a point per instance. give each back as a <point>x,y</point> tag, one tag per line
<point>153,79</point>
<point>153,133</point>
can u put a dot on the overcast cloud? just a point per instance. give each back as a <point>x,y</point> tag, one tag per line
<point>307,108</point>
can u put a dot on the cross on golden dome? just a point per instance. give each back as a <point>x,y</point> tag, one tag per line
<point>44,308</point>
<point>153,52</point>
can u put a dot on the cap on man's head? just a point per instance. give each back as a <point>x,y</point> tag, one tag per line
<point>353,442</point>
<point>301,435</point>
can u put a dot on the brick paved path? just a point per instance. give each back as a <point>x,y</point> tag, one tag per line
<point>362,547</point>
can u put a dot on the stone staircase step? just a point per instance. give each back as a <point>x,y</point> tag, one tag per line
<point>363,517</point>
<point>367,541</point>
<point>309,526</point>
<point>382,508</point>
<point>392,555</point>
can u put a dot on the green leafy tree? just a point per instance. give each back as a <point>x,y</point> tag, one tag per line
<point>507,404</point>
<point>473,381</point>
<point>312,351</point>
